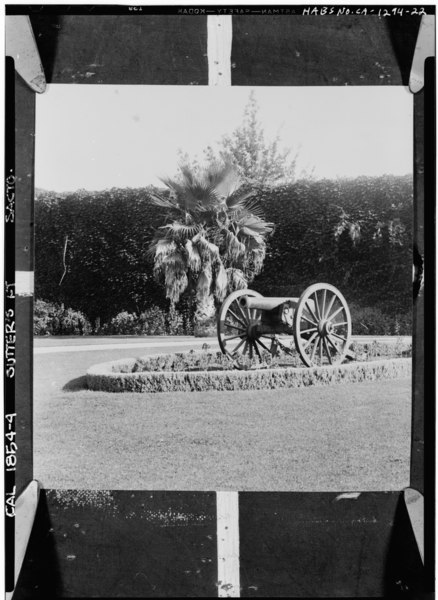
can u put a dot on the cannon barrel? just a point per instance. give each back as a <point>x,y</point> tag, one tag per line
<point>263,303</point>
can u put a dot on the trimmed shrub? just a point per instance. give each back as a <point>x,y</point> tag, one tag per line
<point>124,323</point>
<point>153,321</point>
<point>119,376</point>
<point>374,321</point>
<point>54,319</point>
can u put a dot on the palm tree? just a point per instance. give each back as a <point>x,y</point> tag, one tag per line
<point>213,240</point>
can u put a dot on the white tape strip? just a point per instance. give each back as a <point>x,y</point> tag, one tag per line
<point>21,45</point>
<point>219,39</point>
<point>24,283</point>
<point>425,47</point>
<point>415,507</point>
<point>25,511</point>
<point>227,504</point>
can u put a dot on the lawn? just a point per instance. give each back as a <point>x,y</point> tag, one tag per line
<point>338,438</point>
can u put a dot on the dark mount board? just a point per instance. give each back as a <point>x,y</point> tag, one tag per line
<point>120,544</point>
<point>285,549</point>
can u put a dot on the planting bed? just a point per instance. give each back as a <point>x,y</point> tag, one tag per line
<point>202,371</point>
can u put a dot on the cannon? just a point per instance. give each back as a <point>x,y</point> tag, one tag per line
<point>319,322</point>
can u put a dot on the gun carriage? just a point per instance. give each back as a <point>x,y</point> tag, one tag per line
<point>319,322</point>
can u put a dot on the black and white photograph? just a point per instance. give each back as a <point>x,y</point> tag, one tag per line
<point>216,385</point>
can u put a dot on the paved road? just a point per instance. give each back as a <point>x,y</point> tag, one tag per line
<point>57,344</point>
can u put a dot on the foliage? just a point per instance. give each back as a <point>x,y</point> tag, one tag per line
<point>106,267</point>
<point>53,319</point>
<point>213,240</point>
<point>353,233</point>
<point>217,361</point>
<point>259,162</point>
<point>374,321</point>
<point>153,321</point>
<point>375,349</point>
<point>109,232</point>
<point>124,376</point>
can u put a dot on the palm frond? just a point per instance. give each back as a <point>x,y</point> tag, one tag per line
<point>203,284</point>
<point>163,201</point>
<point>208,249</point>
<point>176,284</point>
<point>239,198</point>
<point>221,283</point>
<point>163,246</point>
<point>182,229</point>
<point>236,279</point>
<point>254,225</point>
<point>194,260</point>
<point>234,247</point>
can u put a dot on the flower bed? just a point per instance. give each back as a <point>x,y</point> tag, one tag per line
<point>195,371</point>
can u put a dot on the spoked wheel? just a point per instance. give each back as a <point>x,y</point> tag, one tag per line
<point>238,329</point>
<point>322,326</point>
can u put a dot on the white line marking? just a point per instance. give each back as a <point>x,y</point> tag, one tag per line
<point>228,563</point>
<point>212,342</point>
<point>24,283</point>
<point>91,347</point>
<point>219,39</point>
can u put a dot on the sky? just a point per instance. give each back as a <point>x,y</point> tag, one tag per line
<point>95,137</point>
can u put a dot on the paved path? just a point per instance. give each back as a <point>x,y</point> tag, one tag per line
<point>68,344</point>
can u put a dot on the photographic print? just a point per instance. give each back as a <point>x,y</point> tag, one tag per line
<point>158,211</point>
<point>218,293</point>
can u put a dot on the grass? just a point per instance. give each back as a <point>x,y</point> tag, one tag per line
<point>340,438</point>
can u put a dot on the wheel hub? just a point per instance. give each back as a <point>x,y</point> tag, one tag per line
<point>325,328</point>
<point>252,331</point>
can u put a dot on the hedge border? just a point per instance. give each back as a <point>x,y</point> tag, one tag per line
<point>105,377</point>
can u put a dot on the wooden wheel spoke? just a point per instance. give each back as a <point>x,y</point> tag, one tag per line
<point>339,324</point>
<point>315,347</point>
<point>258,340</point>
<point>327,351</point>
<point>339,337</point>
<point>311,312</point>
<point>244,315</point>
<point>318,312</point>
<point>323,302</point>
<point>337,311</point>
<point>308,330</point>
<point>333,298</point>
<point>309,320</point>
<point>226,324</point>
<point>245,347</point>
<point>333,344</point>
<point>233,337</point>
<point>255,314</point>
<point>238,345</point>
<point>236,317</point>
<point>320,350</point>
<point>310,340</point>
<point>257,350</point>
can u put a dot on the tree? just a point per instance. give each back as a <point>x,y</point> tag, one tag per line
<point>259,162</point>
<point>214,238</point>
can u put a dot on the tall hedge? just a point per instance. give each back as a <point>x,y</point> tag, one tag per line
<point>107,267</point>
<point>355,234</point>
